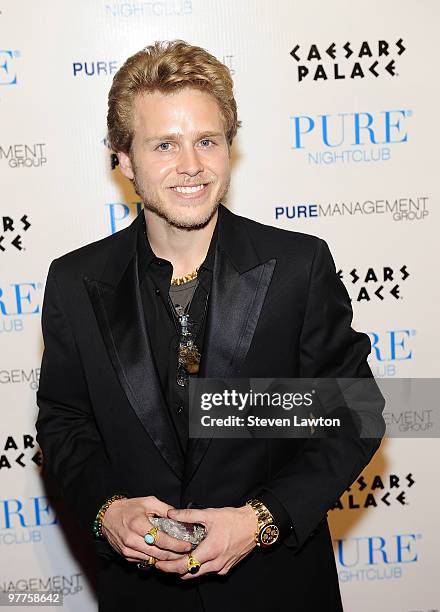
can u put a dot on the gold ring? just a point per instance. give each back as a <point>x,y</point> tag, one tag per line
<point>193,565</point>
<point>144,565</point>
<point>150,536</point>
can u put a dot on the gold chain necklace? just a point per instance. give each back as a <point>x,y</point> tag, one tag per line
<point>179,280</point>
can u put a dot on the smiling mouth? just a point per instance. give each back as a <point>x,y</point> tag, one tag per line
<point>194,189</point>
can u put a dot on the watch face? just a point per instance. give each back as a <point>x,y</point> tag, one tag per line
<point>269,535</point>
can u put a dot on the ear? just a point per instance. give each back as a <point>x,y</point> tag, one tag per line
<point>125,165</point>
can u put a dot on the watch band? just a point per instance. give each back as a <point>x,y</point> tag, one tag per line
<point>267,532</point>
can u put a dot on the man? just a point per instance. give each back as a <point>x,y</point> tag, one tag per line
<point>120,351</point>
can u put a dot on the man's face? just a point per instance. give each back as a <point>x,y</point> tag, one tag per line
<point>180,156</point>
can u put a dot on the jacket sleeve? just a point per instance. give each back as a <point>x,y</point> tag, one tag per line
<point>310,483</point>
<point>73,452</point>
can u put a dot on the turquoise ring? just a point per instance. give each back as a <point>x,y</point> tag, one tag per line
<point>150,536</point>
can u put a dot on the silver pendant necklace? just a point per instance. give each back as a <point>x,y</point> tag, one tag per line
<point>188,354</point>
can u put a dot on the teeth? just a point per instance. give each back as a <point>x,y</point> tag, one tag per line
<point>188,189</point>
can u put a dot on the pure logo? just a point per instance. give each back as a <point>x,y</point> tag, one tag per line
<point>411,208</point>
<point>8,74</point>
<point>376,557</point>
<point>350,137</point>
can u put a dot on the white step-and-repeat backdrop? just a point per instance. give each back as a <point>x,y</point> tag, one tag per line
<point>340,109</point>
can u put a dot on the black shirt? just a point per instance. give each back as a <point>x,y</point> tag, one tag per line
<point>154,278</point>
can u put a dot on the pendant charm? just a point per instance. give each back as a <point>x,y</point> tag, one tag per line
<point>189,356</point>
<point>188,353</point>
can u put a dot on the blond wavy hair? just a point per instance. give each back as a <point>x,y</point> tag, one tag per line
<point>167,66</point>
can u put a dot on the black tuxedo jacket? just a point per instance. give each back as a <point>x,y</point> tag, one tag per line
<point>277,309</point>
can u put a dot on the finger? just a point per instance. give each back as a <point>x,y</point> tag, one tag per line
<point>205,552</point>
<point>205,568</point>
<point>202,553</point>
<point>161,539</point>
<point>167,542</point>
<point>189,515</point>
<point>167,555</point>
<point>136,543</point>
<point>179,566</point>
<point>156,506</point>
<point>131,554</point>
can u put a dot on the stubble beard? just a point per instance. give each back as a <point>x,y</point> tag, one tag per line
<point>158,207</point>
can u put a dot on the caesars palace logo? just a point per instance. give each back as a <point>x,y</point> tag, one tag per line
<point>348,60</point>
<point>21,451</point>
<point>374,283</point>
<point>11,232</point>
<point>374,491</point>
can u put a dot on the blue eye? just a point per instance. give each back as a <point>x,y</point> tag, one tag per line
<point>204,141</point>
<point>164,144</point>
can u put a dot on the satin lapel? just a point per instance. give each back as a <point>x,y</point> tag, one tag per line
<point>235,305</point>
<point>121,319</point>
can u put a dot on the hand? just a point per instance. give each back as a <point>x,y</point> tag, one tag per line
<point>230,537</point>
<point>126,522</point>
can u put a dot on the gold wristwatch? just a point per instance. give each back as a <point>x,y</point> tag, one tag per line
<point>267,532</point>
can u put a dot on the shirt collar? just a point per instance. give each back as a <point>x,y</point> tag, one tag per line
<point>144,251</point>
<point>146,254</point>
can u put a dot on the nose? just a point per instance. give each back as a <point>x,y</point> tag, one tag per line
<point>189,161</point>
